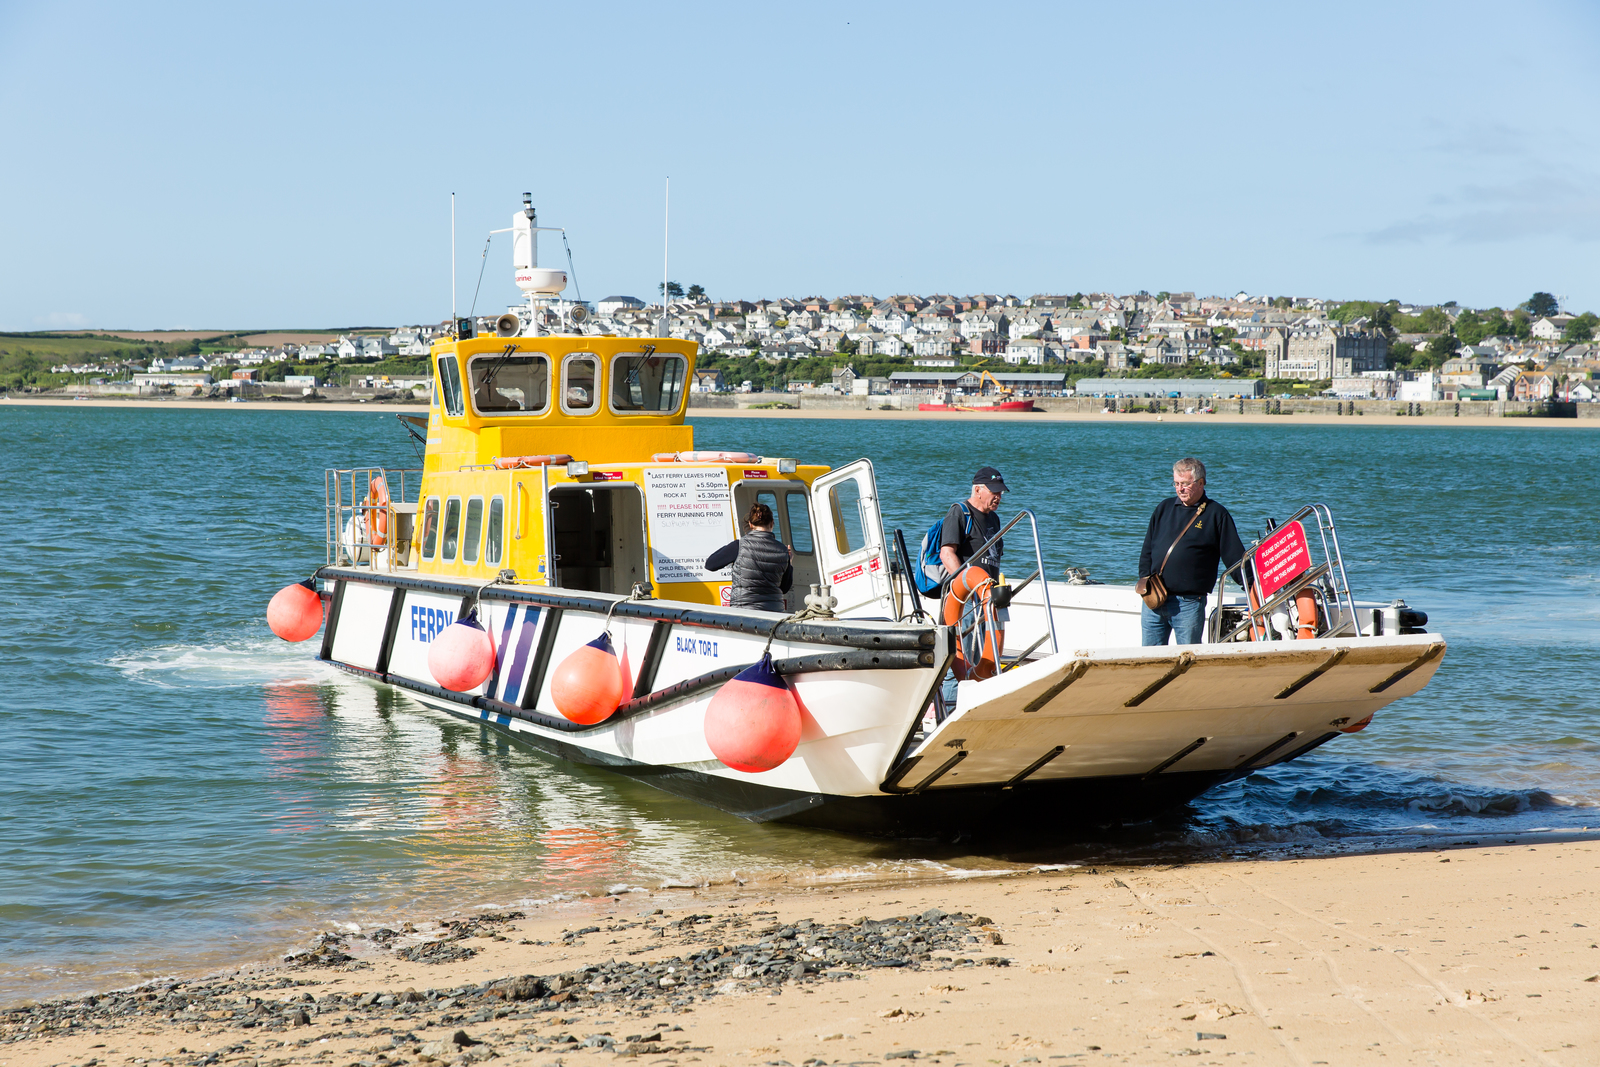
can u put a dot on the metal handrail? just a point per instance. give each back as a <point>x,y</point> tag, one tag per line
<point>403,483</point>
<point>1038,555</point>
<point>1324,579</point>
<point>908,580</point>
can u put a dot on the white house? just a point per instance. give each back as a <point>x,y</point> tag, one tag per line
<point>1025,350</point>
<point>1423,386</point>
<point>613,304</point>
<point>888,318</point>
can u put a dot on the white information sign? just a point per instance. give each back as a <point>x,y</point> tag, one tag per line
<point>690,516</point>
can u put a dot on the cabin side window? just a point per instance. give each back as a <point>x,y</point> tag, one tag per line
<point>450,384</point>
<point>430,527</point>
<point>452,526</point>
<point>845,501</point>
<point>770,499</point>
<point>799,521</point>
<point>580,381</point>
<point>646,383</point>
<point>474,531</point>
<point>509,383</point>
<point>494,542</point>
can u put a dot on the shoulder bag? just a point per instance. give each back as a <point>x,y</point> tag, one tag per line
<point>1150,588</point>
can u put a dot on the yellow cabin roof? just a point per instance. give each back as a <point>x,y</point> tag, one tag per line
<point>606,399</point>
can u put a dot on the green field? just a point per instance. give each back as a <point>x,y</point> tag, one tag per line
<point>26,358</point>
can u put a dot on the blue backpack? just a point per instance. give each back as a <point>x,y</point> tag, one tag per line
<point>930,574</point>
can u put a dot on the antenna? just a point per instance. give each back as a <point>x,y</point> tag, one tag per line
<point>452,260</point>
<point>666,233</point>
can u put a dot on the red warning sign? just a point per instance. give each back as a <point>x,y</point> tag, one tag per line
<point>1282,558</point>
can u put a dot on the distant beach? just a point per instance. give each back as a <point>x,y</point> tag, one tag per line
<point>1028,418</point>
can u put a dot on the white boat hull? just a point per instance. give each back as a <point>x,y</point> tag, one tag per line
<point>1097,734</point>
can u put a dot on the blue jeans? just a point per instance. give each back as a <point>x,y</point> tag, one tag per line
<point>1182,616</point>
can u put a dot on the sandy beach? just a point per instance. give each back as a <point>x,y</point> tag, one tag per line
<point>1480,952</point>
<point>694,413</point>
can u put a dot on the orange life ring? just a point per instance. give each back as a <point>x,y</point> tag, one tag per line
<point>375,509</point>
<point>1306,606</point>
<point>974,581</point>
<point>507,463</point>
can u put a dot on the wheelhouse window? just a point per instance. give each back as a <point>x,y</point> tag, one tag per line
<point>647,383</point>
<point>494,543</point>
<point>430,527</point>
<point>580,382</point>
<point>509,383</point>
<point>452,526</point>
<point>474,531</point>
<point>450,384</point>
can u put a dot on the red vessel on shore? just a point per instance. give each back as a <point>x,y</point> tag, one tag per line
<point>981,405</point>
<point>999,399</point>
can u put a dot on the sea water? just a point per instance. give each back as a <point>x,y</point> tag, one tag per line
<point>180,790</point>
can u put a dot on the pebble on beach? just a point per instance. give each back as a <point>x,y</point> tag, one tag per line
<point>731,958</point>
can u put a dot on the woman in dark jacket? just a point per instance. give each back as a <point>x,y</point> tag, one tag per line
<point>763,568</point>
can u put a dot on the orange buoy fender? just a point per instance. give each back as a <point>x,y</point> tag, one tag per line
<point>973,582</point>
<point>753,723</point>
<point>376,509</point>
<point>295,611</point>
<point>1305,606</point>
<point>588,686</point>
<point>462,657</point>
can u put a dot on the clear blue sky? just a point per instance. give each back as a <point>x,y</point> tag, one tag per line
<point>291,164</point>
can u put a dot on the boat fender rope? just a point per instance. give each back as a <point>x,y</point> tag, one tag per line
<point>802,615</point>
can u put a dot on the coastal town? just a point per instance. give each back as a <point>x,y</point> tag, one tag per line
<point>1099,344</point>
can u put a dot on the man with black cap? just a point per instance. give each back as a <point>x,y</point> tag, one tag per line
<point>966,527</point>
<point>972,522</point>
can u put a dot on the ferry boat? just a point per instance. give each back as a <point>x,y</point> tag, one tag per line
<point>562,508</point>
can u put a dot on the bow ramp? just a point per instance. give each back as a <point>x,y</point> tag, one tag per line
<point>1223,710</point>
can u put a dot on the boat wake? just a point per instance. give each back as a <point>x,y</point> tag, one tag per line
<point>266,661</point>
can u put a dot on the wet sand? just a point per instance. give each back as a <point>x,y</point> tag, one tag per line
<point>1485,952</point>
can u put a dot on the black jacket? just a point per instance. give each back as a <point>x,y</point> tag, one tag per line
<point>1192,569</point>
<point>761,575</point>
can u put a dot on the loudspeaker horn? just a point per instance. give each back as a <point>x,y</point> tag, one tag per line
<point>578,313</point>
<point>507,325</point>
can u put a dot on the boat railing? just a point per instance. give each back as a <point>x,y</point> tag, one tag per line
<point>371,516</point>
<point>1044,587</point>
<point>1290,564</point>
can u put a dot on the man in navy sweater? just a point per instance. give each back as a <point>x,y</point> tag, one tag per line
<point>1200,532</point>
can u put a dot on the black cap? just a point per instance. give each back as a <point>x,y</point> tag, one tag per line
<point>990,479</point>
